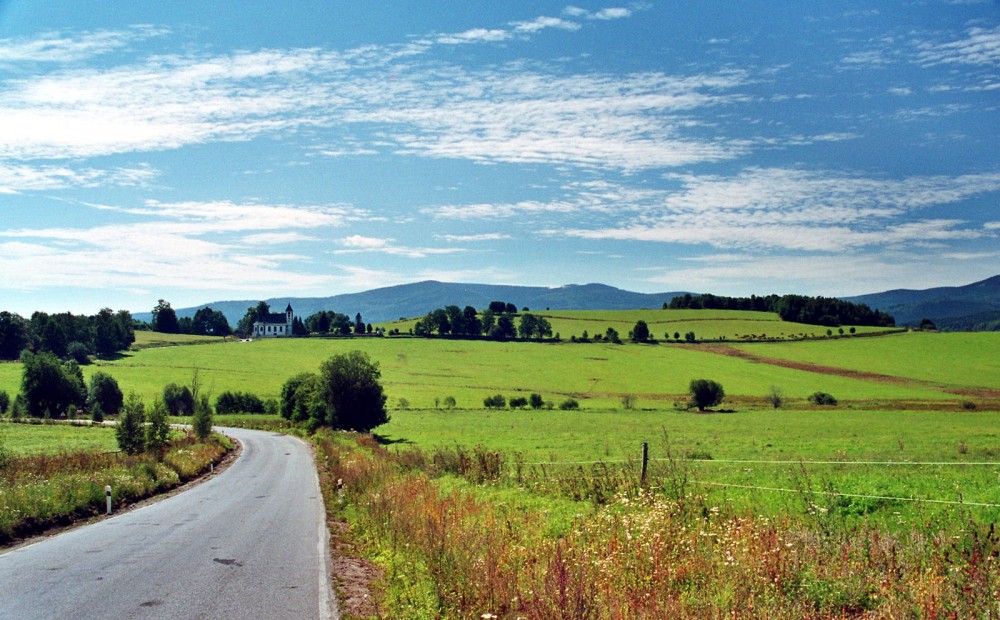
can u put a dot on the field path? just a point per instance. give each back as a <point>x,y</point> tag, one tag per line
<point>250,542</point>
<point>841,372</point>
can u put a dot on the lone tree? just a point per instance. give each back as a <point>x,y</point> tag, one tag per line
<point>640,333</point>
<point>105,393</point>
<point>130,430</point>
<point>165,319</point>
<point>350,393</point>
<point>705,393</point>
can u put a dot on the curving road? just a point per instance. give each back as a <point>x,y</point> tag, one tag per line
<point>250,542</point>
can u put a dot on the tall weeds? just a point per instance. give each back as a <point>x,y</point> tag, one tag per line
<point>41,491</point>
<point>637,553</point>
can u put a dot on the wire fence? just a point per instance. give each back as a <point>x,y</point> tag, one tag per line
<point>798,462</point>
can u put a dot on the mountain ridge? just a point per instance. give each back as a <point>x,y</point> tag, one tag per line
<point>418,298</point>
<point>967,307</point>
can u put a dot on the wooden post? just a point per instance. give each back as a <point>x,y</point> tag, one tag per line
<point>645,463</point>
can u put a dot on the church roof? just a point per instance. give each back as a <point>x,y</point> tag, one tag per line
<point>273,319</point>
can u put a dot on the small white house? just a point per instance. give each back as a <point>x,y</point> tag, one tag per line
<point>274,325</point>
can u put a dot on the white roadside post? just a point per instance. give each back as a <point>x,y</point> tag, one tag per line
<point>107,494</point>
<point>340,491</point>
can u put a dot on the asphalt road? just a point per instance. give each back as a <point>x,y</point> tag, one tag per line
<point>249,543</point>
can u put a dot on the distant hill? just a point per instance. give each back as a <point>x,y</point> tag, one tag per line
<point>971,307</point>
<point>417,299</point>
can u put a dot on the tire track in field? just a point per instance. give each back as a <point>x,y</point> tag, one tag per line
<point>981,392</point>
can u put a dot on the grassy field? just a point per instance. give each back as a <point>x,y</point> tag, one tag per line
<point>849,452</point>
<point>424,371</point>
<point>663,324</point>
<point>27,439</point>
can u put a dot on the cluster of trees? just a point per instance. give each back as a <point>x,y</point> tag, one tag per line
<point>243,402</point>
<point>345,394</point>
<point>51,388</point>
<point>140,429</point>
<point>496,322</point>
<point>826,311</point>
<point>205,322</point>
<point>535,401</point>
<point>330,322</point>
<point>65,335</point>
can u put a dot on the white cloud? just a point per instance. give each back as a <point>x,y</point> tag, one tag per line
<point>277,238</point>
<point>20,178</point>
<point>981,46</point>
<point>475,35</point>
<point>541,23</point>
<point>54,47</point>
<point>603,14</point>
<point>479,237</point>
<point>359,243</point>
<point>612,13</point>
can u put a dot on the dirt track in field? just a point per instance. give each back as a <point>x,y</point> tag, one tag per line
<point>976,392</point>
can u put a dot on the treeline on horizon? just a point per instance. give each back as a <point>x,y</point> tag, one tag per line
<point>825,311</point>
<point>66,335</point>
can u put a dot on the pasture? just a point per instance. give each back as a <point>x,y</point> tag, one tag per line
<point>420,373</point>
<point>28,439</point>
<point>732,325</point>
<point>916,397</point>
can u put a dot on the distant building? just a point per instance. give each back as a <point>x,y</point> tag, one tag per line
<point>274,325</point>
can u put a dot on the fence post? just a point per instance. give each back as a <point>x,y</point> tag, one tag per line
<point>645,463</point>
<point>107,494</point>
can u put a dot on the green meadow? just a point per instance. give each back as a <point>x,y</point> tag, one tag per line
<point>915,397</point>
<point>28,439</point>
<point>664,324</point>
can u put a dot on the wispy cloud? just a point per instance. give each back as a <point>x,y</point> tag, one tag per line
<point>508,114</point>
<point>361,244</point>
<point>55,47</point>
<point>981,46</point>
<point>799,210</point>
<point>473,238</point>
<point>21,178</point>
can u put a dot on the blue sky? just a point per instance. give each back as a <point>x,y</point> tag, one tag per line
<point>199,151</point>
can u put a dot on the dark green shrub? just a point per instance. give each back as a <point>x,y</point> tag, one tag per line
<point>104,391</point>
<point>130,430</point>
<point>201,422</point>
<point>178,399</point>
<point>157,428</point>
<point>497,401</point>
<point>238,402</point>
<point>569,403</point>
<point>705,393</point>
<point>77,351</point>
<point>822,398</point>
<point>449,402</point>
<point>4,402</point>
<point>518,402</point>
<point>536,402</point>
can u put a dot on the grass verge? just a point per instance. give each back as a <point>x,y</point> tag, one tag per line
<point>41,491</point>
<point>454,539</point>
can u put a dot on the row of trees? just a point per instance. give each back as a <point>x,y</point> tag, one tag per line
<point>497,322</point>
<point>205,322</point>
<point>826,311</point>
<point>66,335</point>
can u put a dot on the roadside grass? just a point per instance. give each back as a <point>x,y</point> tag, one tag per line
<point>42,490</point>
<point>799,451</point>
<point>458,546</point>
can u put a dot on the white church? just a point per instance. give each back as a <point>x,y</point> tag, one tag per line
<point>274,324</point>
